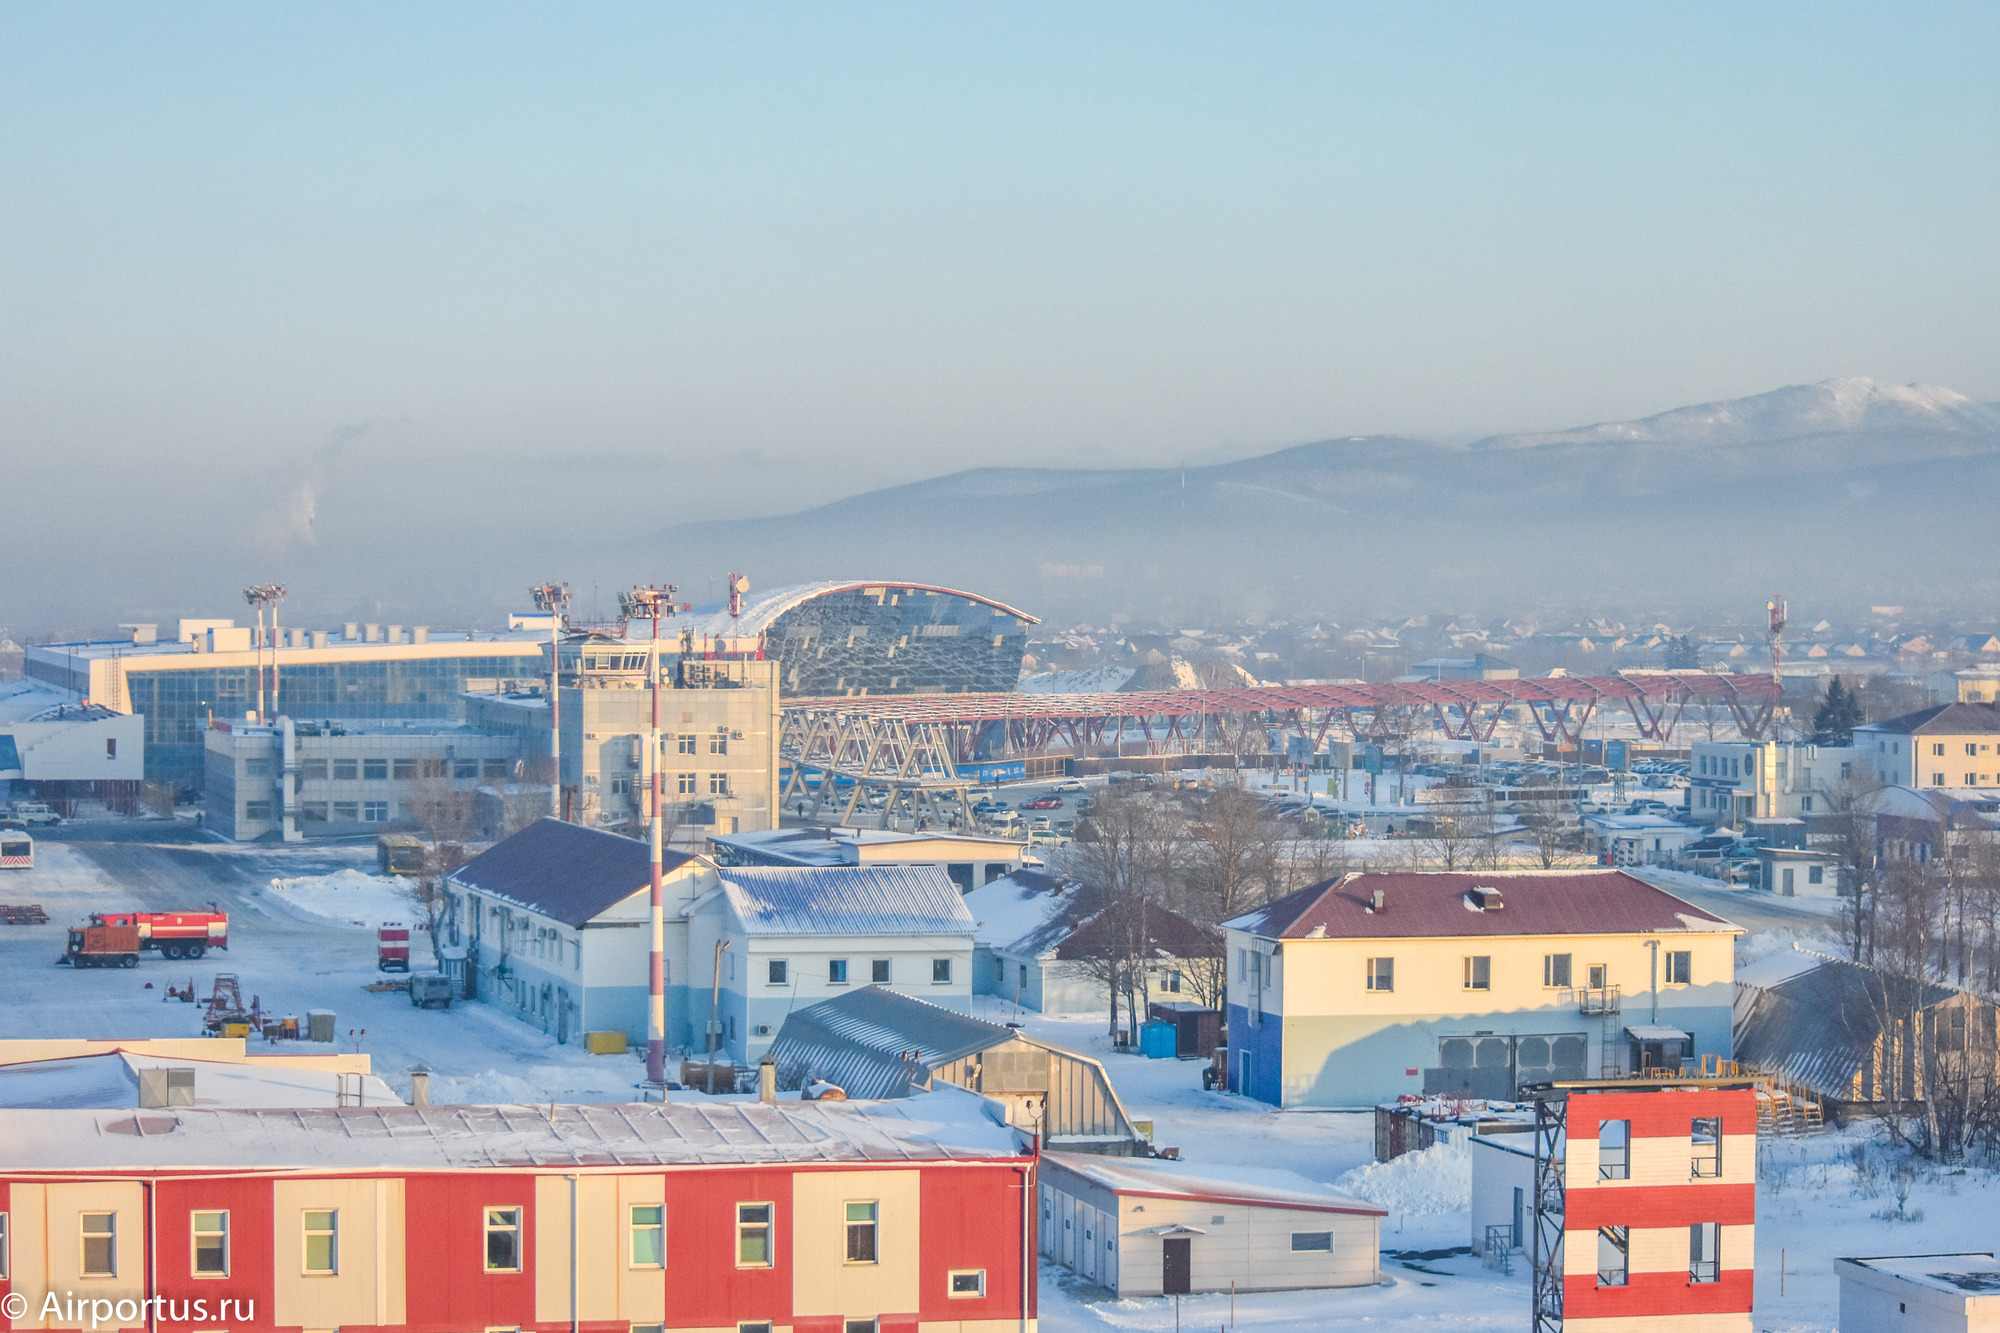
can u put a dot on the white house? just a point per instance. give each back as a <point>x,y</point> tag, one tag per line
<point>554,921</point>
<point>1636,840</point>
<point>785,937</point>
<point>1150,1227</point>
<point>1731,781</point>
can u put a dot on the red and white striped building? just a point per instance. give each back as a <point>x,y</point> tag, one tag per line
<point>822,1217</point>
<point>1659,1207</point>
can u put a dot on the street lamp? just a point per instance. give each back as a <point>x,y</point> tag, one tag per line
<point>551,599</point>
<point>652,601</point>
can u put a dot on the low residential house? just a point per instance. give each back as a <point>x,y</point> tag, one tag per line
<point>555,925</point>
<point>1916,826</point>
<point>874,1043</point>
<point>785,937</point>
<point>1920,1293</point>
<point>1949,745</point>
<point>1038,937</point>
<point>1799,872</point>
<point>1362,989</point>
<point>1636,840</point>
<point>969,859</point>
<point>1860,1039</point>
<point>1146,1227</point>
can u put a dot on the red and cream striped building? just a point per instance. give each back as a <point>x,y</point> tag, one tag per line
<point>824,1217</point>
<point>1659,1208</point>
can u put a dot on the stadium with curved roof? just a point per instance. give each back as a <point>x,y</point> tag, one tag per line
<point>852,638</point>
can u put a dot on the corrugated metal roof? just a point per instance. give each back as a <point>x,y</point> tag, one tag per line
<point>1820,1027</point>
<point>878,1043</point>
<point>1268,1187</point>
<point>563,871</point>
<point>1434,905</point>
<point>847,900</point>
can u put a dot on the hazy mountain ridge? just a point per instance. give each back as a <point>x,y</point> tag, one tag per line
<point>1816,488</point>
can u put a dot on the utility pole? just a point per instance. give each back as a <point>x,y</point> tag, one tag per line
<point>551,599</point>
<point>651,601</point>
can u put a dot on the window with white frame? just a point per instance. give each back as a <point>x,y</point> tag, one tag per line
<point>1680,967</point>
<point>210,1243</point>
<point>320,1236</point>
<point>1308,1242</point>
<point>503,1240</point>
<point>1479,972</point>
<point>99,1235</point>
<point>649,1235</point>
<point>1382,974</point>
<point>753,1235</point>
<point>967,1283</point>
<point>862,1220</point>
<point>1555,971</point>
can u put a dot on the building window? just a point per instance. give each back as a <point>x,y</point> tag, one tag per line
<point>434,768</point>
<point>1680,967</point>
<point>684,745</point>
<point>718,744</point>
<point>684,783</point>
<point>312,812</point>
<point>503,1240</point>
<point>347,810</point>
<point>1614,1150</point>
<point>860,1326</point>
<point>404,770</point>
<point>1600,976</point>
<point>649,1235</point>
<point>1937,748</point>
<point>375,770</point>
<point>878,971</point>
<point>1613,1267</point>
<point>1381,974</point>
<point>494,770</point>
<point>753,1235</point>
<point>755,1326</point>
<point>256,809</point>
<point>777,971</point>
<point>1704,1252</point>
<point>861,1233</point>
<point>211,1244</point>
<point>967,1283</point>
<point>1937,779</point>
<point>3,1248</point>
<point>718,784</point>
<point>374,812</point>
<point>322,1241</point>
<point>1815,874</point>
<point>1972,779</point>
<point>464,770</point>
<point>346,770</point>
<point>1706,1138</point>
<point>941,971</point>
<point>100,1244</point>
<point>256,768</point>
<point>1309,1242</point>
<point>1555,970</point>
<point>836,971</point>
<point>1479,973</point>
<point>313,770</point>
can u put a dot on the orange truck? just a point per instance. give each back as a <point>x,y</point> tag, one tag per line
<point>102,946</point>
<point>174,934</point>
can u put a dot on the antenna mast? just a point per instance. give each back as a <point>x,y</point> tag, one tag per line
<point>1776,607</point>
<point>651,602</point>
<point>552,599</point>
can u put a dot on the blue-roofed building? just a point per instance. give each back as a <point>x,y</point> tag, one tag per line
<point>797,935</point>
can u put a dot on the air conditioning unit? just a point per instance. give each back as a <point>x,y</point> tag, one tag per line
<point>761,1030</point>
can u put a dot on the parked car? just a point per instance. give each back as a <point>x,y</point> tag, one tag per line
<point>35,813</point>
<point>1070,784</point>
<point>1044,803</point>
<point>1039,824</point>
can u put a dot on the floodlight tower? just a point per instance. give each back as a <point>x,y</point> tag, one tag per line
<point>1776,607</point>
<point>643,602</point>
<point>552,599</point>
<point>261,595</point>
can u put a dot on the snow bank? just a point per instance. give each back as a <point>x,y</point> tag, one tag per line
<point>1436,1180</point>
<point>348,898</point>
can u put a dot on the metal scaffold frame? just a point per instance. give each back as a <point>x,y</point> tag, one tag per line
<point>913,761</point>
<point>1546,1240</point>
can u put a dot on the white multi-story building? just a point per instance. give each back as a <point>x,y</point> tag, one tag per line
<point>1950,745</point>
<point>1731,781</point>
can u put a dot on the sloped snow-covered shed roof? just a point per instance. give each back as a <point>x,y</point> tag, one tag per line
<point>1211,1182</point>
<point>878,1043</point>
<point>563,871</point>
<point>846,900</point>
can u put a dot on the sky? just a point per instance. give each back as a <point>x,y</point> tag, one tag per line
<point>478,282</point>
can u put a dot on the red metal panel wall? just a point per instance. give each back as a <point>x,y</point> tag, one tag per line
<point>1663,1115</point>
<point>1652,1295</point>
<point>972,1219</point>
<point>251,1257</point>
<point>445,1252</point>
<point>705,1288</point>
<point>1660,1206</point>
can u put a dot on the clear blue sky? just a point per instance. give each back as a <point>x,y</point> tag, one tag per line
<point>781,252</point>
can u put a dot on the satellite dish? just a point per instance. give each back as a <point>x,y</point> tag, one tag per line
<point>742,583</point>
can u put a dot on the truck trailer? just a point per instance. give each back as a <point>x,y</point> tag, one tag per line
<point>173,934</point>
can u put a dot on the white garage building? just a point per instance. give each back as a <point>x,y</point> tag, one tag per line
<point>1149,1227</point>
<point>1920,1293</point>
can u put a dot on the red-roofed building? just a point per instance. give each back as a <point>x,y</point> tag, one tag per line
<point>1361,989</point>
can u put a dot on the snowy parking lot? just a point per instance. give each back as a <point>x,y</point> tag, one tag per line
<point>302,922</point>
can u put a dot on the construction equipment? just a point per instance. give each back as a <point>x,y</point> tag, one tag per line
<point>27,914</point>
<point>225,1009</point>
<point>185,994</point>
<point>173,934</point>
<point>392,949</point>
<point>102,946</point>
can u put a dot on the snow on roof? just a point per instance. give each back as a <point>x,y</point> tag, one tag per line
<point>1970,1274</point>
<point>842,846</point>
<point>879,1043</point>
<point>1210,1182</point>
<point>946,1125</point>
<point>1421,904</point>
<point>1092,680</point>
<point>1943,720</point>
<point>1016,910</point>
<point>110,1079</point>
<point>563,871</point>
<point>846,900</point>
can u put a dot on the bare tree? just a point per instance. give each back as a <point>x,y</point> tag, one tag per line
<point>446,818</point>
<point>1233,855</point>
<point>1130,860</point>
<point>1460,839</point>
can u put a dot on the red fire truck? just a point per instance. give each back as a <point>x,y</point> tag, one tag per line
<point>392,948</point>
<point>173,934</point>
